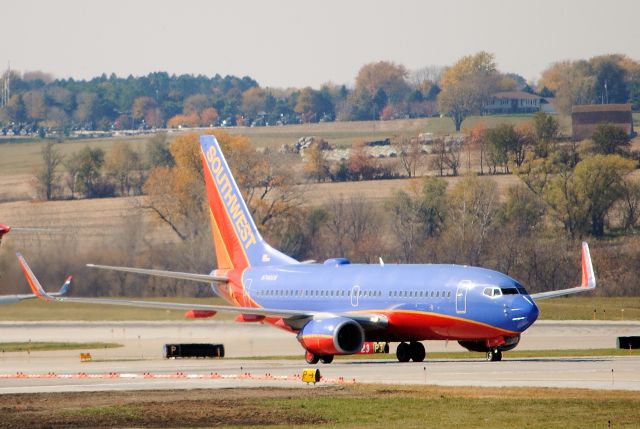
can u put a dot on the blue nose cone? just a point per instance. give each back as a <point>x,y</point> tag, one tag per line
<point>523,313</point>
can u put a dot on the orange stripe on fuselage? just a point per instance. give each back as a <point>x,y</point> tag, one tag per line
<point>222,219</point>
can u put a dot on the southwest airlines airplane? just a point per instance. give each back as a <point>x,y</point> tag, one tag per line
<point>335,306</point>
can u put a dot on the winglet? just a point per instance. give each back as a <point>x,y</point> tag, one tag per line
<point>34,284</point>
<point>588,276</point>
<point>65,287</point>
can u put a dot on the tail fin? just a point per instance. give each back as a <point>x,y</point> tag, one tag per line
<point>34,284</point>
<point>65,286</point>
<point>237,241</point>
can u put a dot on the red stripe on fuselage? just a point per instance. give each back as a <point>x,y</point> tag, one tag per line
<point>415,325</point>
<point>418,326</point>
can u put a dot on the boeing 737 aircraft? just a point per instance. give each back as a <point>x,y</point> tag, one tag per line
<point>335,306</point>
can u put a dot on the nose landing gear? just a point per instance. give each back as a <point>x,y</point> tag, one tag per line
<point>494,355</point>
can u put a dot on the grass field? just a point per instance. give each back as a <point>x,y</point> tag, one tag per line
<point>358,406</point>
<point>22,156</point>
<point>35,346</point>
<point>584,307</point>
<point>36,310</point>
<point>573,308</point>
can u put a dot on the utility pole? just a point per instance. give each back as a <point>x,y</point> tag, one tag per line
<point>6,87</point>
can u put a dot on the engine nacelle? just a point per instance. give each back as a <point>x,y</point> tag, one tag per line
<point>504,344</point>
<point>332,336</point>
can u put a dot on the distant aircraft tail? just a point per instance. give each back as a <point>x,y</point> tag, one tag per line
<point>237,241</point>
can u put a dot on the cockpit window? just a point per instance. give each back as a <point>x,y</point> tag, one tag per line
<point>509,291</point>
<point>521,289</point>
<point>492,292</point>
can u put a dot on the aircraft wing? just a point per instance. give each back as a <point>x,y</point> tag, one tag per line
<point>294,318</point>
<point>588,279</point>
<point>204,278</point>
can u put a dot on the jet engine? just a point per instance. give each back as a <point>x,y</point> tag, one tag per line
<point>332,336</point>
<point>504,344</point>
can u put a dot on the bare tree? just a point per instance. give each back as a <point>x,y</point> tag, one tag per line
<point>47,176</point>
<point>410,154</point>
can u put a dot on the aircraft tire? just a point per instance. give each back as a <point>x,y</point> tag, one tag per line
<point>417,351</point>
<point>311,358</point>
<point>403,352</point>
<point>494,355</point>
<point>326,358</point>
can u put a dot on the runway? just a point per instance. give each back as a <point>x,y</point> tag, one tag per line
<point>143,342</point>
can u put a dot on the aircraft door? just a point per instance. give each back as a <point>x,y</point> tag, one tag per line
<point>355,295</point>
<point>461,296</point>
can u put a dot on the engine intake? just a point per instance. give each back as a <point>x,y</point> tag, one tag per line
<point>332,336</point>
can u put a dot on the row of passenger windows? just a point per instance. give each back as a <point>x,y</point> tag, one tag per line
<point>347,293</point>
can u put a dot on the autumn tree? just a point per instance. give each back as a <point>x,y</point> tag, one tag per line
<point>36,108</point>
<point>581,198</point>
<point>609,139</point>
<point>176,193</point>
<point>140,107</point>
<point>87,166</point>
<point>316,166</point>
<point>384,77</point>
<point>507,143</point>
<point>629,204</point>
<point>254,101</point>
<point>545,129</point>
<point>157,151</point>
<point>475,138</point>
<point>46,176</point>
<point>523,210</point>
<point>467,85</point>
<point>124,166</point>
<point>313,105</point>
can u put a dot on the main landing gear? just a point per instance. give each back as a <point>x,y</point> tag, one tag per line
<point>313,359</point>
<point>494,355</point>
<point>411,351</point>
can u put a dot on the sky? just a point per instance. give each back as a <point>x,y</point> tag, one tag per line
<point>297,43</point>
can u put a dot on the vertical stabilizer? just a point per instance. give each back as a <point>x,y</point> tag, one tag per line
<point>237,241</point>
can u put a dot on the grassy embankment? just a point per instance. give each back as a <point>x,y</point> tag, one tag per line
<point>573,308</point>
<point>359,406</point>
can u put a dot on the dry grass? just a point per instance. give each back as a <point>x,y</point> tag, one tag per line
<point>36,310</point>
<point>361,406</point>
